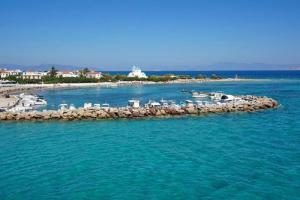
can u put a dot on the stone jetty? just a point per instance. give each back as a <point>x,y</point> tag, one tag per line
<point>249,103</point>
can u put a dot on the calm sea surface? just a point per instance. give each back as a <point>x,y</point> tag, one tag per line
<point>223,156</point>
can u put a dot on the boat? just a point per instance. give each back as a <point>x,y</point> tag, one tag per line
<point>199,103</point>
<point>31,100</point>
<point>97,106</point>
<point>72,107</point>
<point>199,95</point>
<point>164,103</point>
<point>105,105</point>
<point>63,106</point>
<point>216,96</point>
<point>152,104</point>
<point>189,103</point>
<point>20,108</point>
<point>87,105</point>
<point>134,103</point>
<point>227,98</point>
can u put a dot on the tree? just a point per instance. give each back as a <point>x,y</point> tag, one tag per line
<point>200,76</point>
<point>215,77</point>
<point>53,72</point>
<point>84,72</point>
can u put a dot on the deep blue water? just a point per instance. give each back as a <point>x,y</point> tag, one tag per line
<point>223,156</point>
<point>284,74</point>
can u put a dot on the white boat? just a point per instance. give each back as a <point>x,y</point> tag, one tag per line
<point>87,105</point>
<point>199,103</point>
<point>164,103</point>
<point>20,108</point>
<point>227,98</point>
<point>72,107</point>
<point>105,105</point>
<point>63,106</point>
<point>40,102</point>
<point>31,100</point>
<point>189,103</point>
<point>134,103</point>
<point>97,106</point>
<point>216,96</point>
<point>152,104</point>
<point>199,95</point>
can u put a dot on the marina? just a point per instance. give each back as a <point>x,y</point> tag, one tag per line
<point>217,103</point>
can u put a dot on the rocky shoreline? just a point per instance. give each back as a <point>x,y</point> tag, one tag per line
<point>250,104</point>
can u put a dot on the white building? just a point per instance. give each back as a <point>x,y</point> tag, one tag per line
<point>93,74</point>
<point>136,72</point>
<point>67,74</point>
<point>4,73</point>
<point>33,75</point>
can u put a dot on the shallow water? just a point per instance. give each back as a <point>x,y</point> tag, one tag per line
<point>223,156</point>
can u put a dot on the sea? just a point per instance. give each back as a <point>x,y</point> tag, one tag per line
<point>215,156</point>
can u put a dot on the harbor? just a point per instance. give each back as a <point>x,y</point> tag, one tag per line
<point>213,102</point>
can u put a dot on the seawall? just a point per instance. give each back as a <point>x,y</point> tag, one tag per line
<point>249,104</point>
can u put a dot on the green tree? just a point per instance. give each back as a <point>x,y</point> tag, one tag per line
<point>84,72</point>
<point>200,76</point>
<point>215,77</point>
<point>53,72</point>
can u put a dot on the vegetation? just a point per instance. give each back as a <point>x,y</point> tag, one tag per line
<point>200,76</point>
<point>215,77</point>
<point>84,72</point>
<point>23,81</point>
<point>50,78</point>
<point>53,72</point>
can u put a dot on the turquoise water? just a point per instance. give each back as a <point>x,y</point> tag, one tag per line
<point>224,156</point>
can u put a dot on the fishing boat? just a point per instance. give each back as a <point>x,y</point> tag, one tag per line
<point>134,103</point>
<point>97,105</point>
<point>72,107</point>
<point>87,105</point>
<point>105,105</point>
<point>152,104</point>
<point>199,95</point>
<point>216,96</point>
<point>63,106</point>
<point>189,103</point>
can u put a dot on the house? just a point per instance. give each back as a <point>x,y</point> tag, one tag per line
<point>67,74</point>
<point>93,74</point>
<point>4,73</point>
<point>33,75</point>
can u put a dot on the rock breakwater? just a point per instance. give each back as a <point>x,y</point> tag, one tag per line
<point>249,103</point>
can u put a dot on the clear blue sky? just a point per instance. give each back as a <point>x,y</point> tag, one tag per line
<point>149,32</point>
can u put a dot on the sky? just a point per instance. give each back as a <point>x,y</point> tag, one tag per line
<point>158,34</point>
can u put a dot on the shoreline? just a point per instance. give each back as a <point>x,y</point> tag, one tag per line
<point>28,87</point>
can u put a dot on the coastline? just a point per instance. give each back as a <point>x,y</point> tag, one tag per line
<point>28,87</point>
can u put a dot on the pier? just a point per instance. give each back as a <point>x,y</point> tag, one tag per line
<point>246,103</point>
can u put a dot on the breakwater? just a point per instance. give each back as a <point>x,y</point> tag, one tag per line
<point>248,103</point>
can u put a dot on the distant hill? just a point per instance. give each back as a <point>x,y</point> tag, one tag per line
<point>212,67</point>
